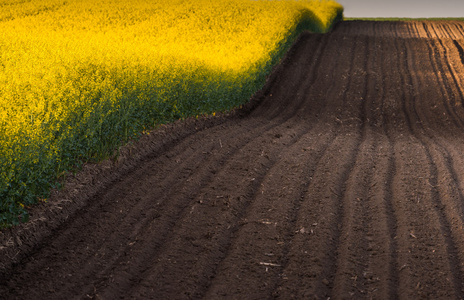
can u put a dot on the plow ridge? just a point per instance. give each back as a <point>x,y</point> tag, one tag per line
<point>343,178</point>
<point>384,198</point>
<point>460,50</point>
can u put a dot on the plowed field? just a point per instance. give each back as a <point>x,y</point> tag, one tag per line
<point>344,179</point>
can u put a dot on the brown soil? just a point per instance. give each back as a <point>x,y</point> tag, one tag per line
<point>344,178</point>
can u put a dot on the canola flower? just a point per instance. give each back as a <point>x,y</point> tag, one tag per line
<point>78,77</point>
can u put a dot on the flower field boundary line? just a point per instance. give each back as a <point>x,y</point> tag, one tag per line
<point>79,79</point>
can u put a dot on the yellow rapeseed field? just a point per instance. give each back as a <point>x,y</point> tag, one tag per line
<point>80,77</point>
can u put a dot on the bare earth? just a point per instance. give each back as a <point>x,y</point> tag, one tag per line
<point>344,178</point>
